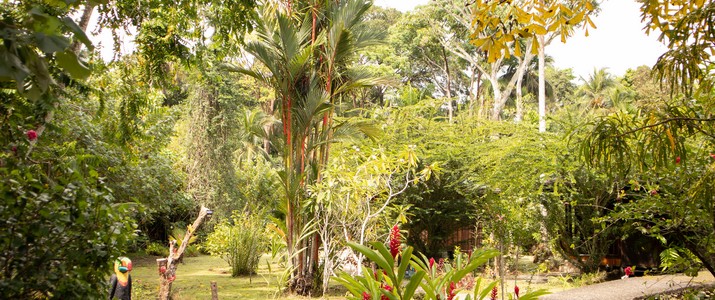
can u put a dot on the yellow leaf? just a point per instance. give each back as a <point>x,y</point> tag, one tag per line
<point>672,140</point>
<point>586,31</point>
<point>590,23</point>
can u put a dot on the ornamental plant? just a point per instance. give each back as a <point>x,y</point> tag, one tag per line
<point>388,281</point>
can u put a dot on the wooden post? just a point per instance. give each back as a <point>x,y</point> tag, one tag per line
<point>168,276</point>
<point>214,291</point>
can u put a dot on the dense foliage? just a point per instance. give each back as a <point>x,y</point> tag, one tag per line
<point>337,119</point>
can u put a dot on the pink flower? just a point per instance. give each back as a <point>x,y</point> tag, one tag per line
<point>712,155</point>
<point>516,291</point>
<point>677,160</point>
<point>431,263</point>
<point>31,135</point>
<point>366,296</point>
<point>494,293</point>
<point>450,291</point>
<point>395,241</point>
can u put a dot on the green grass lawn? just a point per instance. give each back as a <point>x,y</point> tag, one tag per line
<point>194,277</point>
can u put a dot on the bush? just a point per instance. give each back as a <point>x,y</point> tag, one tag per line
<point>59,234</point>
<point>241,244</point>
<point>157,249</point>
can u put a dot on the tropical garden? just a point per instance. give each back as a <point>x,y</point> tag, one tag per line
<point>343,150</point>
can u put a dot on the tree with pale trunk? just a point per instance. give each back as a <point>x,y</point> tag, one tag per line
<point>498,25</point>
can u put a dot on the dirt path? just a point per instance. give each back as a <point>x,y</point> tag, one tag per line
<point>631,288</point>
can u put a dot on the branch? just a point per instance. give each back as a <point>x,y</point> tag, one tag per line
<point>668,121</point>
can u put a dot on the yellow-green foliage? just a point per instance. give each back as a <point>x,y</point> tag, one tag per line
<point>240,242</point>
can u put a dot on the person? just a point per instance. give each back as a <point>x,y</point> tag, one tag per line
<point>120,283</point>
<point>629,272</point>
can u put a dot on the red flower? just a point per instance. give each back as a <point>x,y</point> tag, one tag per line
<point>395,241</point>
<point>712,155</point>
<point>653,192</point>
<point>516,291</point>
<point>387,288</point>
<point>31,135</point>
<point>431,263</point>
<point>162,269</point>
<point>450,291</point>
<point>366,296</point>
<point>494,293</point>
<point>677,160</point>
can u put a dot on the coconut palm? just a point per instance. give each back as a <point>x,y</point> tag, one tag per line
<point>595,90</point>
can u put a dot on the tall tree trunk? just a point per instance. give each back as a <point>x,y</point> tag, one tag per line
<point>519,100</point>
<point>83,23</point>
<point>542,86</point>
<point>449,84</point>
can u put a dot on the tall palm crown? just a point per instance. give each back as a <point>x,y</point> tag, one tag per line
<point>308,53</point>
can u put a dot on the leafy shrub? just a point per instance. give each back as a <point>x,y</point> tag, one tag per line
<point>192,251</point>
<point>386,283</point>
<point>59,233</point>
<point>240,242</point>
<point>157,249</point>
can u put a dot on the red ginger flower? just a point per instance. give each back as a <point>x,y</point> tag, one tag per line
<point>395,241</point>
<point>677,160</point>
<point>431,262</point>
<point>31,135</point>
<point>450,291</point>
<point>494,293</point>
<point>366,296</point>
<point>516,291</point>
<point>387,288</point>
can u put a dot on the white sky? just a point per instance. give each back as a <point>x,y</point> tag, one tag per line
<point>618,43</point>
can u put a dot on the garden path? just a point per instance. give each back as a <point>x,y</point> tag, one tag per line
<point>632,288</point>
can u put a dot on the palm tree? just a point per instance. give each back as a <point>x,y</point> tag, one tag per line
<point>308,60</point>
<point>528,82</point>
<point>595,90</point>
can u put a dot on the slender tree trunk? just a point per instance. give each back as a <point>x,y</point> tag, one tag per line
<point>542,86</point>
<point>175,255</point>
<point>83,23</point>
<point>449,84</point>
<point>519,100</point>
<point>496,111</point>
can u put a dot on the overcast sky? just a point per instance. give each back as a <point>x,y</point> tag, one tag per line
<point>618,43</point>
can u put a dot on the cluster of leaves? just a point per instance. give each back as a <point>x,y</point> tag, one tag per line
<point>241,243</point>
<point>387,281</point>
<point>34,36</point>
<point>499,24</point>
<point>62,225</point>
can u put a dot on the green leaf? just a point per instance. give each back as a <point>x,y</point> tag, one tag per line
<point>413,284</point>
<point>483,293</point>
<point>78,32</point>
<point>406,257</point>
<point>534,295</point>
<point>72,64</point>
<point>51,43</point>
<point>388,258</point>
<point>371,255</point>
